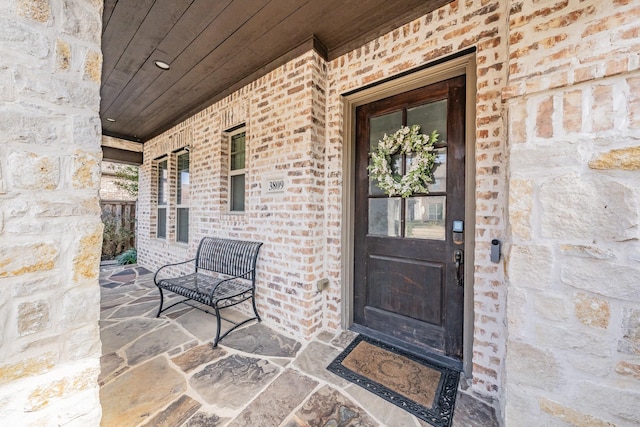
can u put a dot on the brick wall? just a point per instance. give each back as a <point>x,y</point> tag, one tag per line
<point>574,194</point>
<point>50,230</point>
<point>108,188</point>
<point>294,119</point>
<point>450,29</point>
<point>285,139</point>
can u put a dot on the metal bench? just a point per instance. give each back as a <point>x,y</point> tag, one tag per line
<point>224,276</point>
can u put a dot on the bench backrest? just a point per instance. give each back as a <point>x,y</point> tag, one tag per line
<point>226,256</point>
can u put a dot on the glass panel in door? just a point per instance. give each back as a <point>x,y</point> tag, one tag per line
<point>424,217</point>
<point>380,125</point>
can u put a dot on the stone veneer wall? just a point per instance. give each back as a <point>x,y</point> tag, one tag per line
<point>50,230</point>
<point>294,119</point>
<point>573,354</point>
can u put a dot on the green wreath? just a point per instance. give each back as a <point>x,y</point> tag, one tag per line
<point>406,140</point>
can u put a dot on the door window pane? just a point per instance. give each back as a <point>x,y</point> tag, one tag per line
<point>430,117</point>
<point>425,217</point>
<point>440,171</point>
<point>378,126</point>
<point>384,217</point>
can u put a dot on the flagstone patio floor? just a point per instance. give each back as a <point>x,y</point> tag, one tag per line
<point>164,371</point>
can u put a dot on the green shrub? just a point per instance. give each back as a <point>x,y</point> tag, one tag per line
<point>116,238</point>
<point>129,256</point>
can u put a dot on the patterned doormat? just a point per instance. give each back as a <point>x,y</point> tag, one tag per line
<point>419,386</point>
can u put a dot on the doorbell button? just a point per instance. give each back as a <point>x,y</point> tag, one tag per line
<point>495,250</point>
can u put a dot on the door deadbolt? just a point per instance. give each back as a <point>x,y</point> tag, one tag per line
<point>458,232</point>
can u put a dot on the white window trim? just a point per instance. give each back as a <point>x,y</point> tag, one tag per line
<point>237,172</point>
<point>182,205</point>
<point>164,206</point>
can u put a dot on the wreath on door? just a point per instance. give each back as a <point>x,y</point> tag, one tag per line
<point>406,140</point>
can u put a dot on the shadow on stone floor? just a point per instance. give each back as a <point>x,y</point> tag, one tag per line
<point>164,371</point>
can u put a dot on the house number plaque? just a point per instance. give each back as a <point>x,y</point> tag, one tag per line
<point>275,185</point>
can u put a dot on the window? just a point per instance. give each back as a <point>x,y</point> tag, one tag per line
<point>163,193</point>
<point>237,170</point>
<point>182,199</point>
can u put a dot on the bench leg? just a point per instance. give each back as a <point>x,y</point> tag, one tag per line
<point>255,308</point>
<point>161,302</point>
<point>218,326</point>
<point>219,337</point>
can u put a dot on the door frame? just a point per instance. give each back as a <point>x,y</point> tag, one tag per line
<point>464,64</point>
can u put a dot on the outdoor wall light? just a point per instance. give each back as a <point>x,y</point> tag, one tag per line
<point>162,65</point>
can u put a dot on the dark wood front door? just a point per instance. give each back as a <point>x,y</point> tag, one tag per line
<point>407,285</point>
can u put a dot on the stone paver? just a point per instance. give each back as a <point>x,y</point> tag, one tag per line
<point>116,336</point>
<point>206,420</point>
<point>327,407</point>
<point>275,404</point>
<point>233,381</point>
<point>344,339</point>
<point>131,398</point>
<point>155,343</point>
<point>176,414</point>
<point>387,413</point>
<point>109,363</point>
<point>314,359</point>
<point>198,323</point>
<point>165,372</point>
<point>197,356</point>
<point>258,339</point>
<point>133,310</point>
<point>470,411</point>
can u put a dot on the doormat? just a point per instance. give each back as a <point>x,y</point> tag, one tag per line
<point>419,386</point>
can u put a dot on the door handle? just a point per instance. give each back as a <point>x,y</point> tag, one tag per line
<point>458,257</point>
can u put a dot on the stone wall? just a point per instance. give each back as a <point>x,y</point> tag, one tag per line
<point>50,230</point>
<point>574,194</point>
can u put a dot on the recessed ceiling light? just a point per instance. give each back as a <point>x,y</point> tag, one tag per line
<point>109,119</point>
<point>162,65</point>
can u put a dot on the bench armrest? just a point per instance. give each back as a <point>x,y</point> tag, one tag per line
<point>213,290</point>
<point>169,265</point>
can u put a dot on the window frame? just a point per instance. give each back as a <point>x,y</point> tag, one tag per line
<point>162,204</point>
<point>179,202</point>
<point>237,172</point>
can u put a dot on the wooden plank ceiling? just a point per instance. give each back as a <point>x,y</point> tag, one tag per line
<point>216,46</point>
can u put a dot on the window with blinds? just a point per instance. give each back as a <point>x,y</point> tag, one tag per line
<point>237,171</point>
<point>182,199</point>
<point>163,193</point>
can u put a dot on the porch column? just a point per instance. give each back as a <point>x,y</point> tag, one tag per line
<point>50,229</point>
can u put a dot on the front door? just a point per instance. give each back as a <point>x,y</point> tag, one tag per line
<point>408,270</point>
